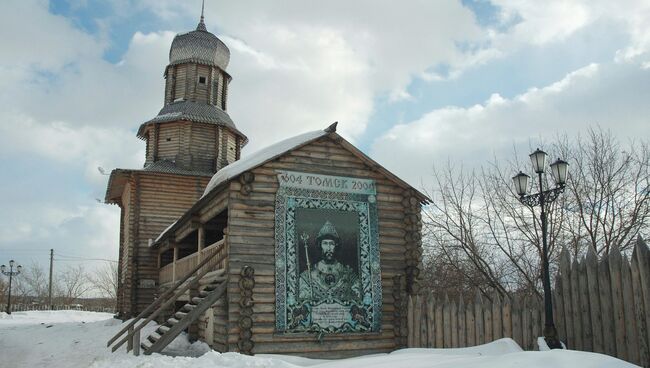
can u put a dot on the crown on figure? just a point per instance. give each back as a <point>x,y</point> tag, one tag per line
<point>328,231</point>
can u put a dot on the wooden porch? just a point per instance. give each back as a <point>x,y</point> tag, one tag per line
<point>180,267</point>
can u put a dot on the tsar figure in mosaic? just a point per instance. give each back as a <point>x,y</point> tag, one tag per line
<point>329,279</point>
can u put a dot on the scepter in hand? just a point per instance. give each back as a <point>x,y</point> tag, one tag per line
<point>305,240</point>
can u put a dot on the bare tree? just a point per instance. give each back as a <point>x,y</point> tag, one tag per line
<point>72,283</point>
<point>478,232</point>
<point>610,192</point>
<point>104,280</point>
<point>453,225</point>
<point>32,282</point>
<point>3,289</point>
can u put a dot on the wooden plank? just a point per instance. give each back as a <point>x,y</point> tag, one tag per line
<point>575,307</point>
<point>605,295</point>
<point>536,322</point>
<point>644,345</point>
<point>587,334</point>
<point>516,322</point>
<point>558,309</point>
<point>615,261</point>
<point>497,320</point>
<point>642,256</point>
<point>446,313</point>
<point>417,320</point>
<point>440,325</point>
<point>565,275</point>
<point>591,265</point>
<point>423,322</point>
<point>470,323</point>
<point>507,318</point>
<point>453,314</point>
<point>431,321</point>
<point>526,326</point>
<point>631,336</point>
<point>487,320</point>
<point>478,317</point>
<point>462,328</point>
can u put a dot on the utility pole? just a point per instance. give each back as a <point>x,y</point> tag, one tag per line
<point>50,287</point>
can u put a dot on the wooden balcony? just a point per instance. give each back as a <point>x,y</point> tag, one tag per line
<point>181,267</point>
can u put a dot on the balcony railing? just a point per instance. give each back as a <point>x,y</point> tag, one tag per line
<point>169,273</point>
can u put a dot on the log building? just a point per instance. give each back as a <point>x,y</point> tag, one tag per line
<point>306,247</point>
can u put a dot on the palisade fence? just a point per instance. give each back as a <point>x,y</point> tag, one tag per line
<point>599,306</point>
<point>44,307</point>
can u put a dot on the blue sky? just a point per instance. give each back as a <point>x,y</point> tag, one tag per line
<point>413,86</point>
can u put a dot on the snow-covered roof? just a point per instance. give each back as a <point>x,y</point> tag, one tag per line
<point>247,163</point>
<point>260,157</point>
<point>270,153</point>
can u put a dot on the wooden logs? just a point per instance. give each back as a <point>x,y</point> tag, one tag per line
<point>412,237</point>
<point>245,322</point>
<point>246,179</point>
<point>400,325</point>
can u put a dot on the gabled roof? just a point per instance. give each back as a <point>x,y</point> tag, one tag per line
<point>259,158</point>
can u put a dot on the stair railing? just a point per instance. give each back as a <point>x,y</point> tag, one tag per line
<point>133,332</point>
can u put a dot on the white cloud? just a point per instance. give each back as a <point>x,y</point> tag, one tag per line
<point>299,66</point>
<point>296,66</point>
<point>611,96</point>
<point>544,22</point>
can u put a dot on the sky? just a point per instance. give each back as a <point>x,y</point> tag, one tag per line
<point>413,85</point>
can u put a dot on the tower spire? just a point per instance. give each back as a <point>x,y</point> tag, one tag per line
<point>201,26</point>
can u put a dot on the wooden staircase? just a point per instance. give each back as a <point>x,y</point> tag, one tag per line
<point>211,285</point>
<point>209,293</point>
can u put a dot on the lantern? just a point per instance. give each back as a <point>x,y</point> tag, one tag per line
<point>521,183</point>
<point>538,158</point>
<point>560,169</point>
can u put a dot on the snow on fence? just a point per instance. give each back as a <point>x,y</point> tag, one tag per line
<point>44,307</point>
<point>599,306</point>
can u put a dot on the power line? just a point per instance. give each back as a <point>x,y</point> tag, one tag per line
<point>23,250</point>
<point>85,259</point>
<point>72,258</point>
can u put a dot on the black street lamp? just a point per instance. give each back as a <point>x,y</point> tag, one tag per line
<point>11,273</point>
<point>559,170</point>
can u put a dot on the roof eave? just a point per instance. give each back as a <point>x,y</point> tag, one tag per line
<point>116,182</point>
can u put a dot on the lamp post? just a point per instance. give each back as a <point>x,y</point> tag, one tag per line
<point>559,170</point>
<point>11,273</point>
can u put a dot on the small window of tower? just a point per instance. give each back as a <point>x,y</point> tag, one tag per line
<point>202,80</point>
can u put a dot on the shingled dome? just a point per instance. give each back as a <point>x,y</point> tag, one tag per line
<point>199,46</point>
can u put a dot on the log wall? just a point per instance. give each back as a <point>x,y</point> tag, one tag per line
<point>125,289</point>
<point>182,83</point>
<point>192,146</point>
<point>203,146</point>
<point>251,240</point>
<point>157,200</point>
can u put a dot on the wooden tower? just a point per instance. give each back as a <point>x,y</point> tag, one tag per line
<point>190,139</point>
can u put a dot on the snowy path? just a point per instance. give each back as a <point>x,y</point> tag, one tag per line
<point>70,339</point>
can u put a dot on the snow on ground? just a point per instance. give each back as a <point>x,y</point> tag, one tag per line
<point>73,339</point>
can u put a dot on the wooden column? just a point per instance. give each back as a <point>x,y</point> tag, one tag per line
<point>174,263</point>
<point>201,245</point>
